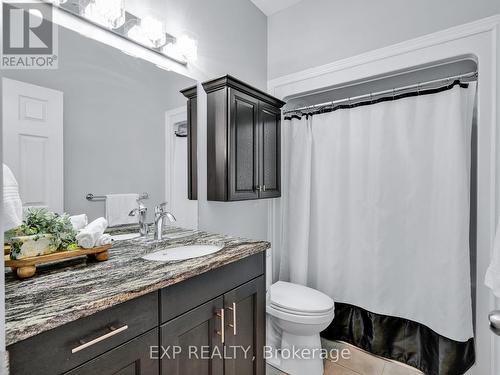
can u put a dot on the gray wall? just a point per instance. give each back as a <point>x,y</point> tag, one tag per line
<point>232,39</point>
<point>317,32</point>
<point>114,120</point>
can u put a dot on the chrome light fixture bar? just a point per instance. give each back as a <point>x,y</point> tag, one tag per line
<point>147,32</point>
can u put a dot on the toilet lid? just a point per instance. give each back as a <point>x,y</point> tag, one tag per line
<point>298,298</point>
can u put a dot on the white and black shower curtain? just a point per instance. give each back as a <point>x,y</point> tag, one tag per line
<point>376,212</point>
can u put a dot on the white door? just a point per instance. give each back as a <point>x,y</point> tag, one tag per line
<point>185,210</point>
<point>33,142</point>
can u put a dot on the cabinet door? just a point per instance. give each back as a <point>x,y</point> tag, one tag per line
<point>197,334</point>
<point>131,358</point>
<point>245,329</point>
<point>243,146</point>
<point>269,151</point>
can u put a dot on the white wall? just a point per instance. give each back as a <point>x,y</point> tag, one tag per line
<point>317,32</point>
<point>232,39</point>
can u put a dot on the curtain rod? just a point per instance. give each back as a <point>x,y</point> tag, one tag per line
<point>466,77</point>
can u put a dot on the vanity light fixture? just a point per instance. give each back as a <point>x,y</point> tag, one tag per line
<point>148,31</point>
<point>183,47</point>
<point>154,30</point>
<point>57,2</point>
<point>136,33</point>
<point>107,13</point>
<point>188,47</point>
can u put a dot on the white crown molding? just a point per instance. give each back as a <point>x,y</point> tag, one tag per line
<point>447,35</point>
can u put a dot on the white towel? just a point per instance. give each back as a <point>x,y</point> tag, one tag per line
<point>79,221</point>
<point>118,207</point>
<point>104,239</point>
<point>89,235</point>
<point>12,205</point>
<point>492,279</point>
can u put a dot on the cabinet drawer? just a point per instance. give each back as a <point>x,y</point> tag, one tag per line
<point>131,358</point>
<point>182,297</point>
<point>65,347</point>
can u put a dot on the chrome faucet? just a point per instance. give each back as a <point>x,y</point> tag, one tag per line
<point>142,210</point>
<point>160,213</point>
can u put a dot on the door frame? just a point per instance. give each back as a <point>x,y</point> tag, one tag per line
<point>172,117</point>
<point>479,40</point>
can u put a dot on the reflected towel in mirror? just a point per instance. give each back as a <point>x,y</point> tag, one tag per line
<point>118,207</point>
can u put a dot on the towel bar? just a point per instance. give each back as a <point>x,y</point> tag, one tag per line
<point>92,197</point>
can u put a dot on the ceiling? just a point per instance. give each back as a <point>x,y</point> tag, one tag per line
<point>269,7</point>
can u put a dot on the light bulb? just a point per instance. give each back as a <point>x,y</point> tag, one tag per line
<point>154,30</point>
<point>137,34</point>
<point>107,13</point>
<point>188,47</point>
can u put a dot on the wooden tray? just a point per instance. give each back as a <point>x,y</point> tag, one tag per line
<point>26,267</point>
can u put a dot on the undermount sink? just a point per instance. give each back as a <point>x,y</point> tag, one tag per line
<point>125,236</point>
<point>182,252</point>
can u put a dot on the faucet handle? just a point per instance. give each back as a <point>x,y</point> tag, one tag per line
<point>161,208</point>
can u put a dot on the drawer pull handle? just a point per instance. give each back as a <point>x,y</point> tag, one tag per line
<point>221,332</point>
<point>113,331</point>
<point>233,326</point>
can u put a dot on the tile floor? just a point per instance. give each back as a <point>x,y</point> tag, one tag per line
<point>359,363</point>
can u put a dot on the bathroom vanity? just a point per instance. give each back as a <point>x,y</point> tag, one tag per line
<point>126,315</point>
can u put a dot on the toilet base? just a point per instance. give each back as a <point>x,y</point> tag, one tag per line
<point>309,359</point>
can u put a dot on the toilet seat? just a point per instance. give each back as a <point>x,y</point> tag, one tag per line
<point>299,304</point>
<point>295,317</point>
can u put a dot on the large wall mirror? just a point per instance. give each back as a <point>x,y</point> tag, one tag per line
<point>103,123</point>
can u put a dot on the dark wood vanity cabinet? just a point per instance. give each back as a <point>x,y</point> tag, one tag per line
<point>139,336</point>
<point>224,336</point>
<point>243,141</point>
<point>232,317</point>
<point>192,138</point>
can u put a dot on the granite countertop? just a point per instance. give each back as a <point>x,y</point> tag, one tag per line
<point>64,292</point>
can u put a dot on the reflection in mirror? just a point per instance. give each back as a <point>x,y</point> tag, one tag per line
<point>102,123</point>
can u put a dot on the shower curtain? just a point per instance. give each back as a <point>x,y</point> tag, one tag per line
<point>376,215</point>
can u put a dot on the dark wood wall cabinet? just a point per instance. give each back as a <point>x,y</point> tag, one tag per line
<point>210,313</point>
<point>192,135</point>
<point>243,141</point>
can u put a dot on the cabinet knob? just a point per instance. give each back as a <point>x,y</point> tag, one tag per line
<point>258,188</point>
<point>263,187</point>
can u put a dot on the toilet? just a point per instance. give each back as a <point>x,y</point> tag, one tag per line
<point>298,314</point>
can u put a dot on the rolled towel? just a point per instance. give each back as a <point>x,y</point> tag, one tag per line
<point>79,221</point>
<point>492,278</point>
<point>104,239</point>
<point>89,235</point>
<point>12,204</point>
